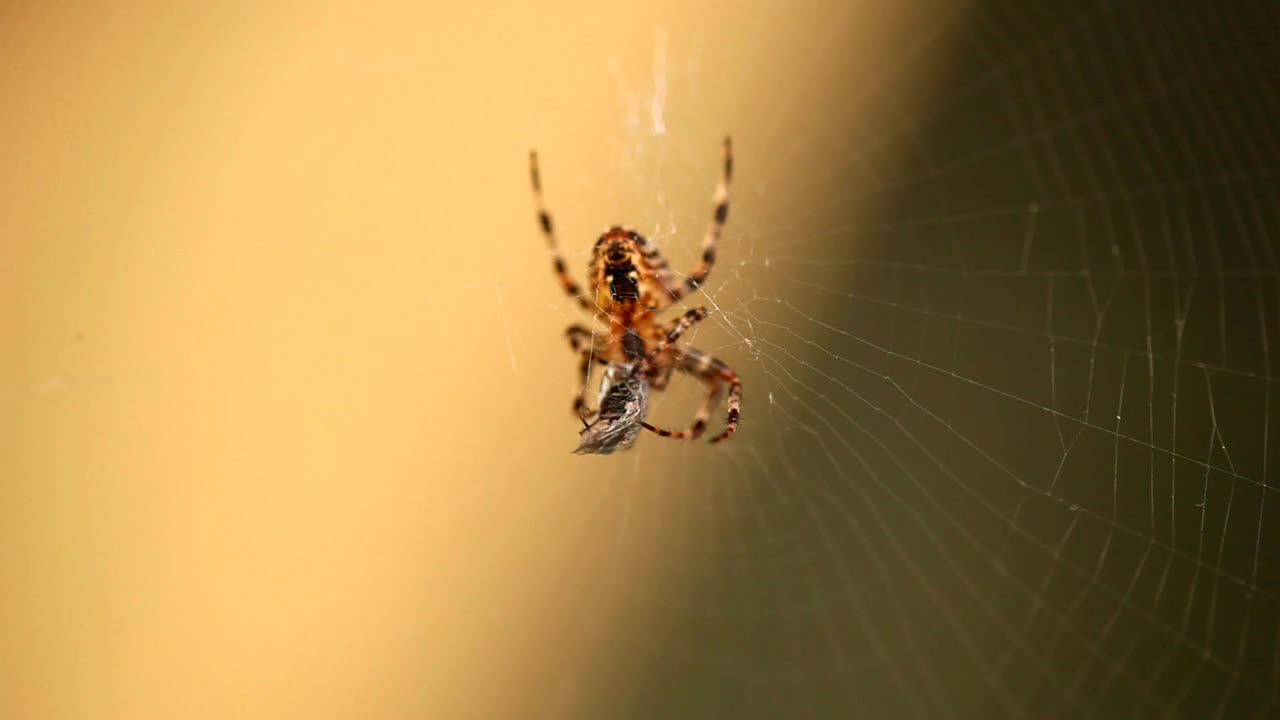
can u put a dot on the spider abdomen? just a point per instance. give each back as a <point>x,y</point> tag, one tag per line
<point>633,331</point>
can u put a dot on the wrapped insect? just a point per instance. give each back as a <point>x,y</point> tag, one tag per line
<point>624,403</point>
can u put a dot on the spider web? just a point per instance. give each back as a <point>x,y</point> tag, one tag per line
<point>1006,435</point>
<point>1003,298</point>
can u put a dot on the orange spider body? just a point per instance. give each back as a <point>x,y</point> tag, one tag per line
<point>629,284</point>
<point>627,291</point>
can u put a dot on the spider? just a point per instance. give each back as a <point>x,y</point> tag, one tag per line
<point>629,284</point>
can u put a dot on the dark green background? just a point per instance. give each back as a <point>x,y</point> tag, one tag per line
<point>934,552</point>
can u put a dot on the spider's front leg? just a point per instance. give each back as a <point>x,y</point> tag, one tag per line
<point>712,237</point>
<point>571,288</point>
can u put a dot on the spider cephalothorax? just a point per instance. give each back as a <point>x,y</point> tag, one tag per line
<point>618,268</point>
<point>629,284</point>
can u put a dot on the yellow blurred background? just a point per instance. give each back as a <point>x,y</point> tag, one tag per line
<point>284,426</point>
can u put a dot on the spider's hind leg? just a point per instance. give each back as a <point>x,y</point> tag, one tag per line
<point>674,434</point>
<point>580,339</point>
<point>715,374</point>
<point>580,409</point>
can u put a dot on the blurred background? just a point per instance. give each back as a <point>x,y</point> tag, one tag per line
<point>284,392</point>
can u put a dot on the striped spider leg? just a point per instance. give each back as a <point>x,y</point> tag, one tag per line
<point>714,373</point>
